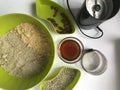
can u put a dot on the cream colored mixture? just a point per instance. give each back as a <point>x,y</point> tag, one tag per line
<point>24,51</point>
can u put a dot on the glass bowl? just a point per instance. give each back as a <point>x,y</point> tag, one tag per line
<point>70,50</point>
<point>94,62</point>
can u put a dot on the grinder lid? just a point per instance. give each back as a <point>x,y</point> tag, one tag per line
<point>99,9</point>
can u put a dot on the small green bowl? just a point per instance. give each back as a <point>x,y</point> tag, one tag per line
<point>45,9</point>
<point>7,23</point>
<point>70,86</point>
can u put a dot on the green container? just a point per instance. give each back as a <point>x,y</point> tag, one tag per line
<point>68,86</point>
<point>7,23</point>
<point>44,11</point>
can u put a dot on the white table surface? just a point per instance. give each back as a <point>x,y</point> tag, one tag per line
<point>109,45</point>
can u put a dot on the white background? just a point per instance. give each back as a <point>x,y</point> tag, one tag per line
<point>109,45</point>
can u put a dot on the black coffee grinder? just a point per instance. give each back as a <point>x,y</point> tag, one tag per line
<point>94,12</point>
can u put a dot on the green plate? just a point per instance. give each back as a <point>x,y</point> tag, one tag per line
<point>70,86</point>
<point>8,22</point>
<point>44,11</point>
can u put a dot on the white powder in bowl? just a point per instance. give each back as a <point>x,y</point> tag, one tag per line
<point>91,61</point>
<point>94,62</point>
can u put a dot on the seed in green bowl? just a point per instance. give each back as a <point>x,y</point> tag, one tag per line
<point>65,80</point>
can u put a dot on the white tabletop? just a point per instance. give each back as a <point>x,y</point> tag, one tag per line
<point>109,45</point>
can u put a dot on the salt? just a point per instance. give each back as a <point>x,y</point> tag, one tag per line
<point>91,61</point>
<point>94,62</point>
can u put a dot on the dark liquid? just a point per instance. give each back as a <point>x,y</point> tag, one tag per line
<point>70,50</point>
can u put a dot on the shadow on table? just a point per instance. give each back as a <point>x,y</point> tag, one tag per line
<point>117,63</point>
<point>33,9</point>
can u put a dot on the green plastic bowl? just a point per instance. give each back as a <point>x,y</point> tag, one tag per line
<point>44,11</point>
<point>7,23</point>
<point>69,86</point>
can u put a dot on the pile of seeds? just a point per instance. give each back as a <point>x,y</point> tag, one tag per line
<point>24,51</point>
<point>61,81</point>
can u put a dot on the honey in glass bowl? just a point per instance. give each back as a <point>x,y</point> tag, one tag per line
<point>70,49</point>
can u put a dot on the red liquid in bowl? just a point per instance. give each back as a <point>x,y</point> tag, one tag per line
<point>70,50</point>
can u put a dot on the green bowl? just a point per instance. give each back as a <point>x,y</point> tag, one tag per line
<point>7,23</point>
<point>44,11</point>
<point>70,86</point>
